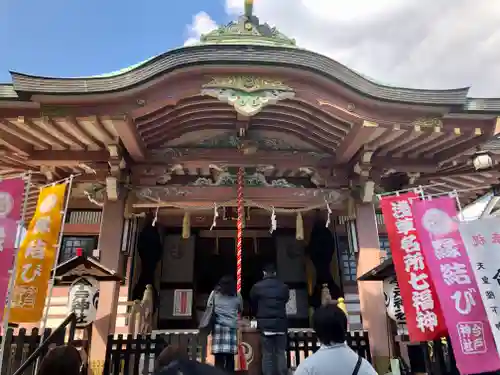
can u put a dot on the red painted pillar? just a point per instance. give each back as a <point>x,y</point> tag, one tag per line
<point>371,294</point>
<point>110,239</point>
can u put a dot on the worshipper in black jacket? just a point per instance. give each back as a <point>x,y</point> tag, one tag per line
<point>268,298</point>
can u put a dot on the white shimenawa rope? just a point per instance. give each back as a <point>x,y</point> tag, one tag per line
<point>92,200</point>
<point>216,215</point>
<point>155,219</point>
<point>328,214</point>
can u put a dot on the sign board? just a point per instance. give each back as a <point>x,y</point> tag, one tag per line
<point>183,302</point>
<point>291,305</point>
<point>393,301</point>
<point>83,300</point>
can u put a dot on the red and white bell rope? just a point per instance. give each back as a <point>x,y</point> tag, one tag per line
<point>241,362</point>
<point>239,228</point>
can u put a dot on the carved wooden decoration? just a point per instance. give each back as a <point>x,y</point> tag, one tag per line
<point>247,94</point>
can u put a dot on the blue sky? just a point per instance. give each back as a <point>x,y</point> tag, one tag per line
<point>87,37</point>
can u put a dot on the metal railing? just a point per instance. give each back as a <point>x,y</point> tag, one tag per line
<point>71,321</point>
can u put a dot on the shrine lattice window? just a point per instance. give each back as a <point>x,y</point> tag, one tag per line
<point>348,258</point>
<point>384,245</point>
<point>71,243</point>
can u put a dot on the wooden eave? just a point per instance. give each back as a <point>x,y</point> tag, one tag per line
<point>382,272</point>
<point>7,92</point>
<point>343,135</point>
<point>54,147</point>
<point>65,145</point>
<point>78,266</point>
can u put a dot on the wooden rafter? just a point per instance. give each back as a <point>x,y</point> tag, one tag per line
<point>68,158</point>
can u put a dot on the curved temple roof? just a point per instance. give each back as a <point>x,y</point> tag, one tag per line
<point>244,41</point>
<point>235,54</point>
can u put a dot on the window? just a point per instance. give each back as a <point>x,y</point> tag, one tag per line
<point>384,245</point>
<point>71,243</point>
<point>348,259</point>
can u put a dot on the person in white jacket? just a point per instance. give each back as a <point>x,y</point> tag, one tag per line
<point>334,357</point>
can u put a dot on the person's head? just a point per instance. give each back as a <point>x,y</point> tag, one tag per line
<point>170,354</point>
<point>330,324</point>
<point>227,286</point>
<point>61,360</point>
<point>269,270</point>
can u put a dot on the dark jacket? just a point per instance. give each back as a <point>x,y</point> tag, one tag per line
<point>189,367</point>
<point>269,298</point>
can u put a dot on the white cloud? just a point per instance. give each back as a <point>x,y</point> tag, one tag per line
<point>234,7</point>
<point>415,43</point>
<point>202,24</point>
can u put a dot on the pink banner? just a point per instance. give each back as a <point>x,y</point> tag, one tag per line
<point>457,290</point>
<point>11,201</point>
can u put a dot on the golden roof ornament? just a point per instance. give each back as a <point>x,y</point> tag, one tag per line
<point>248,8</point>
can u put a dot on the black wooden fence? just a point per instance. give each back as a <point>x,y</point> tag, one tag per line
<point>126,355</point>
<point>18,347</point>
<point>435,357</point>
<point>302,344</point>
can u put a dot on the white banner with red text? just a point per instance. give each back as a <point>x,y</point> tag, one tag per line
<point>482,242</point>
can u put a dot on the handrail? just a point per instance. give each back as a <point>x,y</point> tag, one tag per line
<point>70,319</point>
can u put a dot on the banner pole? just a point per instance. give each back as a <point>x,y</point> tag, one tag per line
<point>458,191</point>
<point>396,192</point>
<point>12,177</point>
<point>69,181</point>
<point>62,180</point>
<point>12,280</point>
<point>454,194</point>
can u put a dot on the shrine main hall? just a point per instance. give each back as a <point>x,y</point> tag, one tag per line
<point>165,138</point>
